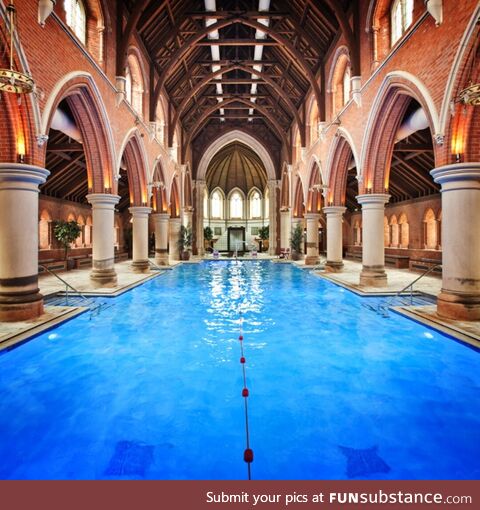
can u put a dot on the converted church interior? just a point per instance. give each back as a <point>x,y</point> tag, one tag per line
<point>187,183</point>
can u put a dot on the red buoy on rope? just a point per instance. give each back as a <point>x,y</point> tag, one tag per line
<point>245,392</point>
<point>240,338</point>
<point>248,455</point>
<point>242,360</point>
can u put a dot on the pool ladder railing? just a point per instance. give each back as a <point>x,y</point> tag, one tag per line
<point>320,266</point>
<point>154,266</point>
<point>403,297</point>
<point>94,308</point>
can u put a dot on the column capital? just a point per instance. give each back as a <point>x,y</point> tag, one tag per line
<point>103,199</point>
<point>160,216</point>
<point>334,210</point>
<point>312,216</point>
<point>372,199</point>
<point>139,211</point>
<point>22,176</point>
<point>175,220</point>
<point>457,176</point>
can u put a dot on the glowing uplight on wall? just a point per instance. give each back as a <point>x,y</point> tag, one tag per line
<point>458,138</point>
<point>21,149</point>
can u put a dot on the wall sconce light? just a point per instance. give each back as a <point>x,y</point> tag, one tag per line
<point>21,149</point>
<point>45,8</point>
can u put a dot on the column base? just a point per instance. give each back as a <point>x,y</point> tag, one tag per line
<point>140,266</point>
<point>373,276</point>
<point>103,278</point>
<point>161,257</point>
<point>333,267</point>
<point>21,308</point>
<point>460,307</point>
<point>312,260</point>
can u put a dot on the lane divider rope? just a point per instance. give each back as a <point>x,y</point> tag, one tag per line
<point>248,453</point>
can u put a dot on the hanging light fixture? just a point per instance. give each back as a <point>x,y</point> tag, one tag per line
<point>45,8</point>
<point>11,80</point>
<point>470,95</point>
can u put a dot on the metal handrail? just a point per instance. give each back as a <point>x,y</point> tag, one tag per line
<point>67,285</point>
<point>155,265</point>
<point>385,306</point>
<point>92,306</point>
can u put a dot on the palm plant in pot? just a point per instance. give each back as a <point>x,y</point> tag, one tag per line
<point>296,241</point>
<point>185,242</point>
<point>66,232</point>
<point>208,236</point>
<point>264,234</point>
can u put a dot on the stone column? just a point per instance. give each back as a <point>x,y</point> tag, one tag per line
<point>103,253</point>
<point>373,252</point>
<point>173,236</point>
<point>200,188</point>
<point>140,238</point>
<point>272,216</point>
<point>20,298</point>
<point>334,238</point>
<point>312,239</point>
<point>460,295</point>
<point>161,238</point>
<point>187,216</point>
<point>285,229</point>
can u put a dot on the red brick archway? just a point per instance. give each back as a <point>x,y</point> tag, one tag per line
<point>174,199</point>
<point>159,192</point>
<point>392,103</point>
<point>299,205</point>
<point>342,155</point>
<point>88,111</point>
<point>314,198</point>
<point>136,171</point>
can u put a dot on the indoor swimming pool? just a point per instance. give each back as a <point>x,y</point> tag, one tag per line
<point>152,386</point>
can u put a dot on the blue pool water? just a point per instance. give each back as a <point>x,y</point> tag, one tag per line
<point>151,388</point>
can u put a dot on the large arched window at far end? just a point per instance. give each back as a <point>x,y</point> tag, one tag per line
<point>76,18</point>
<point>401,18</point>
<point>216,206</point>
<point>255,205</point>
<point>236,205</point>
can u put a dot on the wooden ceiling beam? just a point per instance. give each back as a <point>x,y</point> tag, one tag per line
<point>295,55</point>
<point>210,78</point>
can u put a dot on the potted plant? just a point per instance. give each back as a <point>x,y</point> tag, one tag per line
<point>264,234</point>
<point>208,236</point>
<point>185,242</point>
<point>296,241</point>
<point>66,232</point>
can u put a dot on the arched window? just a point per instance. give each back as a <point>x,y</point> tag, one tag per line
<point>216,208</point>
<point>76,18</point>
<point>430,230</point>
<point>346,85</point>
<point>357,233</point>
<point>128,85</point>
<point>394,232</point>
<point>205,205</point>
<point>404,231</point>
<point>236,205</point>
<point>386,232</point>
<point>255,205</point>
<point>314,131</point>
<point>339,81</point>
<point>134,84</point>
<point>401,18</point>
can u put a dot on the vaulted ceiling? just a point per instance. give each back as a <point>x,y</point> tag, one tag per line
<point>254,63</point>
<point>236,166</point>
